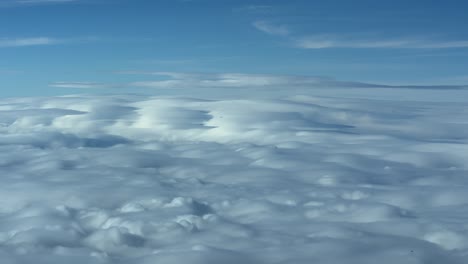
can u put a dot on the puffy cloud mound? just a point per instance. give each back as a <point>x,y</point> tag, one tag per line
<point>130,179</point>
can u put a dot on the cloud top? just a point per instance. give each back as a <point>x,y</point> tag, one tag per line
<point>150,179</point>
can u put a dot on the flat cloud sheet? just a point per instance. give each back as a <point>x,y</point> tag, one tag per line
<point>169,180</point>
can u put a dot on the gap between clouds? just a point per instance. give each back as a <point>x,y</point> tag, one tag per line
<point>324,41</point>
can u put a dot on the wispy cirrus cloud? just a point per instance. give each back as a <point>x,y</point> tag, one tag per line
<point>82,85</point>
<point>13,3</point>
<point>325,41</point>
<point>181,80</point>
<point>23,42</point>
<point>269,28</point>
<point>42,1</point>
<point>226,80</point>
<point>322,42</point>
<point>35,2</point>
<point>43,41</point>
<point>256,9</point>
<point>267,81</point>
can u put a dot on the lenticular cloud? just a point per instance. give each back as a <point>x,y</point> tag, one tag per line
<point>129,179</point>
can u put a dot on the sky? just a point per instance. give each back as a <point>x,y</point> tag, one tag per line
<point>55,47</point>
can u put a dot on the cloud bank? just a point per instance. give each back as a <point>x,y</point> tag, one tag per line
<point>181,80</point>
<point>297,179</point>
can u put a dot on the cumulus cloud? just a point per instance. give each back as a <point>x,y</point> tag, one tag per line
<point>142,179</point>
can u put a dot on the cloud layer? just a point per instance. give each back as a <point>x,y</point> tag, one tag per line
<point>298,179</point>
<point>265,82</point>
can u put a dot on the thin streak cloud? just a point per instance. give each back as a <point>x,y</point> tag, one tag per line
<point>326,41</point>
<point>23,42</point>
<point>181,80</point>
<point>271,29</point>
<point>43,1</point>
<point>13,3</point>
<point>81,85</point>
<point>330,42</point>
<point>43,41</point>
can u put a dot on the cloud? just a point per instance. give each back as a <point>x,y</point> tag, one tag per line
<point>242,81</point>
<point>24,3</point>
<point>263,81</point>
<point>35,2</point>
<point>81,85</point>
<point>271,29</point>
<point>325,41</point>
<point>42,1</point>
<point>322,42</point>
<point>225,80</point>
<point>256,9</point>
<point>44,41</point>
<point>295,179</point>
<point>24,42</point>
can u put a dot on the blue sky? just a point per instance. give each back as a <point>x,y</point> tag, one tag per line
<point>52,47</point>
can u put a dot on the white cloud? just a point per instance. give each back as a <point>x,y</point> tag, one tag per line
<point>43,1</point>
<point>240,83</point>
<point>322,42</point>
<point>43,41</point>
<point>325,41</point>
<point>294,179</point>
<point>227,80</point>
<point>25,3</point>
<point>80,85</point>
<point>23,42</point>
<point>262,81</point>
<point>271,29</point>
